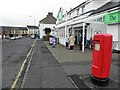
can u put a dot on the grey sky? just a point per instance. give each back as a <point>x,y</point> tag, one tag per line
<point>17,12</point>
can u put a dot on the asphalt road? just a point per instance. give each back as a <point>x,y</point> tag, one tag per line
<point>13,54</point>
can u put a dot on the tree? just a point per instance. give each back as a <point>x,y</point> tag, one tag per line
<point>47,30</point>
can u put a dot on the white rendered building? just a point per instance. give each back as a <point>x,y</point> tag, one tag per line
<point>85,19</point>
<point>48,22</point>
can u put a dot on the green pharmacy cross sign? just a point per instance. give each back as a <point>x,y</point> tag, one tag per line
<point>112,18</point>
<point>60,15</point>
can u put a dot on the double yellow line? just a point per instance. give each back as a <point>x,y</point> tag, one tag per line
<point>21,69</point>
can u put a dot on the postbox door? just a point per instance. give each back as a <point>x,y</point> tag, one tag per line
<point>97,57</point>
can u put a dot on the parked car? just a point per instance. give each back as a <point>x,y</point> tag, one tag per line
<point>20,37</point>
<point>7,37</point>
<point>32,36</point>
<point>17,37</point>
<point>12,38</point>
<point>0,36</point>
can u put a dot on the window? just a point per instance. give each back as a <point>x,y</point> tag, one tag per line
<point>100,19</point>
<point>62,32</point>
<point>77,11</point>
<point>83,7</point>
<point>69,15</point>
<point>80,11</point>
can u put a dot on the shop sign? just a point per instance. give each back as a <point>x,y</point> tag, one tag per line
<point>60,15</point>
<point>111,18</point>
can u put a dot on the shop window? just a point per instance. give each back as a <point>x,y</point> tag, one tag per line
<point>100,19</point>
<point>77,11</point>
<point>83,7</point>
<point>80,11</point>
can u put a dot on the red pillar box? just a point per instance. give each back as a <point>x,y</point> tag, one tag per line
<point>101,56</point>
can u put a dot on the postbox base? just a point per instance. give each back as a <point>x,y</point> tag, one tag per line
<point>100,79</point>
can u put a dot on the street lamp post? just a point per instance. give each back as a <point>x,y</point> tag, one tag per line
<point>33,23</point>
<point>34,19</point>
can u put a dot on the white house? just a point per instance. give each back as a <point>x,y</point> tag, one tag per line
<point>32,29</point>
<point>11,31</point>
<point>48,22</point>
<point>83,19</point>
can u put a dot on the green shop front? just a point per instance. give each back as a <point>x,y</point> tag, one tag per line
<point>112,19</point>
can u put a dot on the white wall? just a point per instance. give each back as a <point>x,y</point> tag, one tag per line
<point>31,31</point>
<point>41,30</point>
<point>119,36</point>
<point>75,13</point>
<point>95,27</point>
<point>89,32</point>
<point>43,26</point>
<point>1,58</point>
<point>62,41</point>
<point>114,30</point>
<point>94,4</point>
<point>62,35</point>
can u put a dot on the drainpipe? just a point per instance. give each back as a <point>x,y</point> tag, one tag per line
<point>65,33</point>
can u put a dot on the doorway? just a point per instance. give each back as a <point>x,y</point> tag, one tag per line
<point>76,33</point>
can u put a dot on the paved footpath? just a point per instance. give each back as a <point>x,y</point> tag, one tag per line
<point>55,67</point>
<point>45,71</point>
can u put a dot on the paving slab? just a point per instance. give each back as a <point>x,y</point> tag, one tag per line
<point>77,69</point>
<point>79,63</point>
<point>33,81</point>
<point>63,54</point>
<point>55,77</point>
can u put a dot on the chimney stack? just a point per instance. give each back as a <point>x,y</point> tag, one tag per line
<point>50,13</point>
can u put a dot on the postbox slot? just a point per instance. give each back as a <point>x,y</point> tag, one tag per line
<point>96,40</point>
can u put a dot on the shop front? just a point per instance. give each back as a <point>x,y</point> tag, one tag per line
<point>112,20</point>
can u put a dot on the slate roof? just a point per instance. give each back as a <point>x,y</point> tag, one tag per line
<point>49,19</point>
<point>107,6</point>
<point>32,27</point>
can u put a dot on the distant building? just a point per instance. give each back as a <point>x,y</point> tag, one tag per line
<point>48,22</point>
<point>32,29</point>
<point>12,31</point>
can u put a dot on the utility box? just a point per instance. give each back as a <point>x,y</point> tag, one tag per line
<point>101,56</point>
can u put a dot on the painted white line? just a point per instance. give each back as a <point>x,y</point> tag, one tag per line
<point>73,83</point>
